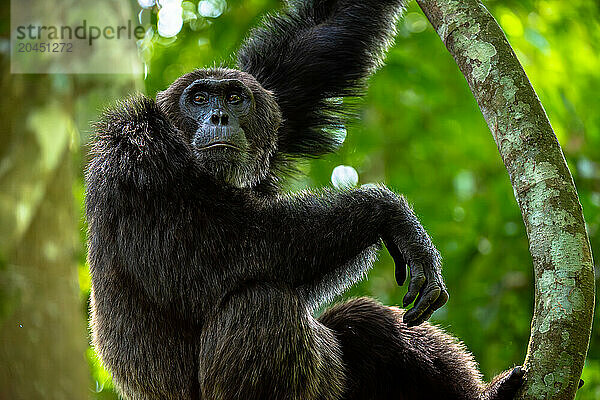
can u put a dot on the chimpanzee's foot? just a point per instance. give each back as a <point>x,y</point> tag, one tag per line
<point>505,385</point>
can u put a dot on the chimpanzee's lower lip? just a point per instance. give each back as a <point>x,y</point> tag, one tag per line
<point>219,144</point>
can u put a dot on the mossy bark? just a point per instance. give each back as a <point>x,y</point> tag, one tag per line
<point>543,187</point>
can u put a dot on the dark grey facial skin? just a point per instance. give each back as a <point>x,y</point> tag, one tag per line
<point>218,107</point>
<point>219,110</point>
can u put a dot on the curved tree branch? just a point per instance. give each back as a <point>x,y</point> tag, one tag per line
<point>543,187</point>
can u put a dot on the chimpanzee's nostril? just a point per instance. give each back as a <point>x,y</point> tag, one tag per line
<point>214,119</point>
<point>224,119</point>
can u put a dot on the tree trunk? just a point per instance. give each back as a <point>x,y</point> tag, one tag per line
<point>42,329</point>
<point>43,339</point>
<point>543,187</point>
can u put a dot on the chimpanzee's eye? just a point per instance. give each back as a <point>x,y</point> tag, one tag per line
<point>200,98</point>
<point>234,98</point>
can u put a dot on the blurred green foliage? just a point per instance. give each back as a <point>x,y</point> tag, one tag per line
<point>420,132</point>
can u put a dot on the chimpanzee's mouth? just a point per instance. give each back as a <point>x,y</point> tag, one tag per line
<point>220,144</point>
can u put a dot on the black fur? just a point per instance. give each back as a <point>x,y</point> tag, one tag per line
<point>385,359</point>
<point>337,44</point>
<point>205,277</point>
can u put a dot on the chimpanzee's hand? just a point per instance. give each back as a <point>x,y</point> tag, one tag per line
<point>425,276</point>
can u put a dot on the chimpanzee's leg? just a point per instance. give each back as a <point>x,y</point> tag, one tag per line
<point>385,359</point>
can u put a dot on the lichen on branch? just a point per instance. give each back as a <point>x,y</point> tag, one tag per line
<point>544,190</point>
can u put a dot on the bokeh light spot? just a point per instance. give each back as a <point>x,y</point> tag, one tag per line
<point>211,8</point>
<point>146,3</point>
<point>344,177</point>
<point>169,3</point>
<point>415,22</point>
<point>170,20</point>
<point>511,24</point>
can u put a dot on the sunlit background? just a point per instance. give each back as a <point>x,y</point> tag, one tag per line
<point>419,130</point>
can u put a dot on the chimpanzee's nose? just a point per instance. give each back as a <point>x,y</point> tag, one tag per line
<point>219,117</point>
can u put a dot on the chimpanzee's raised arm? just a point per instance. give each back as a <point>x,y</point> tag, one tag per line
<point>312,52</point>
